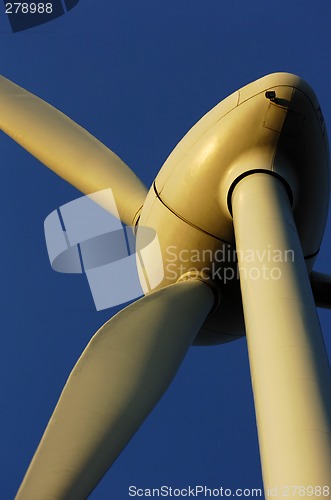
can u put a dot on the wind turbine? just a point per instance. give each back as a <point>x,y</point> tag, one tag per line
<point>251,175</point>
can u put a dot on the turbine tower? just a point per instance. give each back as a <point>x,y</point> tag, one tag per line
<point>252,176</point>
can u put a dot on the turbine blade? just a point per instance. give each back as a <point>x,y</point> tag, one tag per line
<point>321,286</point>
<point>68,149</point>
<point>121,375</point>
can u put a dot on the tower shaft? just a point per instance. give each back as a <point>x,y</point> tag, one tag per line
<point>288,361</point>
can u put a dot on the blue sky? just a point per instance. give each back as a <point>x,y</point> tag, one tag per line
<point>137,75</point>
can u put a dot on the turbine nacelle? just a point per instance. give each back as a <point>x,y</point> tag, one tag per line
<point>274,125</point>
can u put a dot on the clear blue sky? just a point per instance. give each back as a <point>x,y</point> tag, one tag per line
<point>137,75</point>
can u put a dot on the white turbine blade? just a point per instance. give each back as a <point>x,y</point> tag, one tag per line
<point>321,286</point>
<point>68,149</point>
<point>119,378</point>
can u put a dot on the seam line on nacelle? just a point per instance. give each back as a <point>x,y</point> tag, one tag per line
<point>188,222</point>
